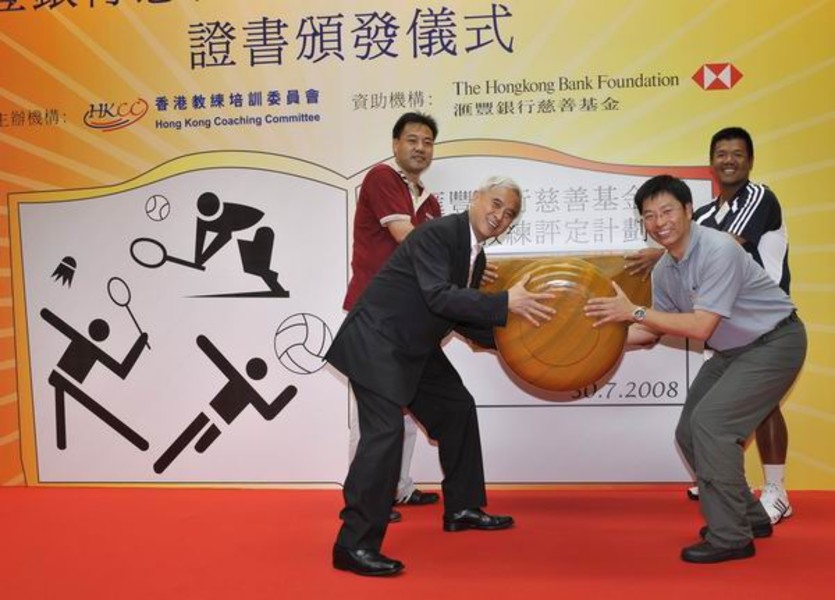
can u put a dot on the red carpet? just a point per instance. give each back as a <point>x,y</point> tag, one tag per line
<point>611,542</point>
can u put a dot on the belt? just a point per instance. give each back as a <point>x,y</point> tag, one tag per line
<point>763,338</point>
<point>782,323</point>
<point>791,318</point>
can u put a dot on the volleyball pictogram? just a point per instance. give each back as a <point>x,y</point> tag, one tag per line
<point>301,342</point>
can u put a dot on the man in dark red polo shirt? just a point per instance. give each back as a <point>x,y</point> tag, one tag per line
<point>392,202</point>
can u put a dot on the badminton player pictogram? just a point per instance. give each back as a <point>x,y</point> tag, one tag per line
<point>228,403</point>
<point>76,363</point>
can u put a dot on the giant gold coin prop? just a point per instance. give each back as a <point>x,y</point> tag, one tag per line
<point>565,353</point>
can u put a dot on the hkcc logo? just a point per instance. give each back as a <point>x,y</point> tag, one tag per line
<point>110,116</point>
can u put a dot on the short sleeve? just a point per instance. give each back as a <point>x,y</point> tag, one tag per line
<point>758,215</point>
<point>387,195</point>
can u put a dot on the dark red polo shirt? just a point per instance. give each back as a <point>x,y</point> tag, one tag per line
<point>384,197</point>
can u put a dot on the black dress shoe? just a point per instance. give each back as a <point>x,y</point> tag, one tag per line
<point>759,530</point>
<point>418,498</point>
<point>395,516</point>
<point>475,518</point>
<point>365,562</point>
<point>705,552</point>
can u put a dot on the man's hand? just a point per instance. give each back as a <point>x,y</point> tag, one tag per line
<point>610,309</point>
<point>529,304</point>
<point>491,274</point>
<point>642,261</point>
<point>619,308</point>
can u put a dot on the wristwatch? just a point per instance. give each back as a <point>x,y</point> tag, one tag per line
<point>639,314</point>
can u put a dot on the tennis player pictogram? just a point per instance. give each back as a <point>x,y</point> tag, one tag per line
<point>216,225</point>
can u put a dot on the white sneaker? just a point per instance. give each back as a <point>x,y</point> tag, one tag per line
<point>693,492</point>
<point>775,501</point>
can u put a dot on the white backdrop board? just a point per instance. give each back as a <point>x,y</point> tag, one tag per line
<point>237,271</point>
<point>268,292</point>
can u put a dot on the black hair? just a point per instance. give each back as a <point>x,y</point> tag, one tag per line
<point>732,133</point>
<point>414,117</point>
<point>661,184</point>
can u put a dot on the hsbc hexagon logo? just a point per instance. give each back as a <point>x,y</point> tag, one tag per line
<point>717,76</point>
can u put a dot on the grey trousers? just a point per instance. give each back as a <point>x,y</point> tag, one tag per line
<point>732,394</point>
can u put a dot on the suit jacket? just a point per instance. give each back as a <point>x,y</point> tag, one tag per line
<point>416,299</point>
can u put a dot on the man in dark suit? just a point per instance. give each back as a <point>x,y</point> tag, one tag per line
<point>389,346</point>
